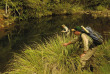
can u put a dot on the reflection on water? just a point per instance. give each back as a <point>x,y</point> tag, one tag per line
<point>106,32</point>
<point>35,30</point>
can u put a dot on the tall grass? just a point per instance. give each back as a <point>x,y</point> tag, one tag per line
<point>52,57</point>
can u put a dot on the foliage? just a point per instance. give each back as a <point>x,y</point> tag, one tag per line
<point>101,8</point>
<point>2,4</point>
<point>77,8</point>
<point>61,8</point>
<point>37,8</point>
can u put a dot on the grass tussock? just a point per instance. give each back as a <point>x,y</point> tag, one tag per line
<point>52,57</point>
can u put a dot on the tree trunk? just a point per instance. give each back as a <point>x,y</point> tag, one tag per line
<point>6,7</point>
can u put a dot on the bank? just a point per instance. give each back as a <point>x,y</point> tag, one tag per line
<point>52,57</point>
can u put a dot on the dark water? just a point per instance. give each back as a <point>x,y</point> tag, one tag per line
<point>35,30</point>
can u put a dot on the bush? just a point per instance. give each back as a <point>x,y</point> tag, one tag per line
<point>77,8</point>
<point>101,8</point>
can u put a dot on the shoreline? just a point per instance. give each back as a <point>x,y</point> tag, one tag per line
<point>6,24</point>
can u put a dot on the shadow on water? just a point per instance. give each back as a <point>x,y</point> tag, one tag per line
<point>35,30</point>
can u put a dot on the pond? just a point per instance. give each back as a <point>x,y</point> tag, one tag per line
<point>37,30</point>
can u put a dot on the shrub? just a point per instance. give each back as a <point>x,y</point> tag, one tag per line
<point>76,8</point>
<point>101,8</point>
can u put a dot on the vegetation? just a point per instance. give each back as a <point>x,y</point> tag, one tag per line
<point>52,57</point>
<point>101,8</point>
<point>38,8</point>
